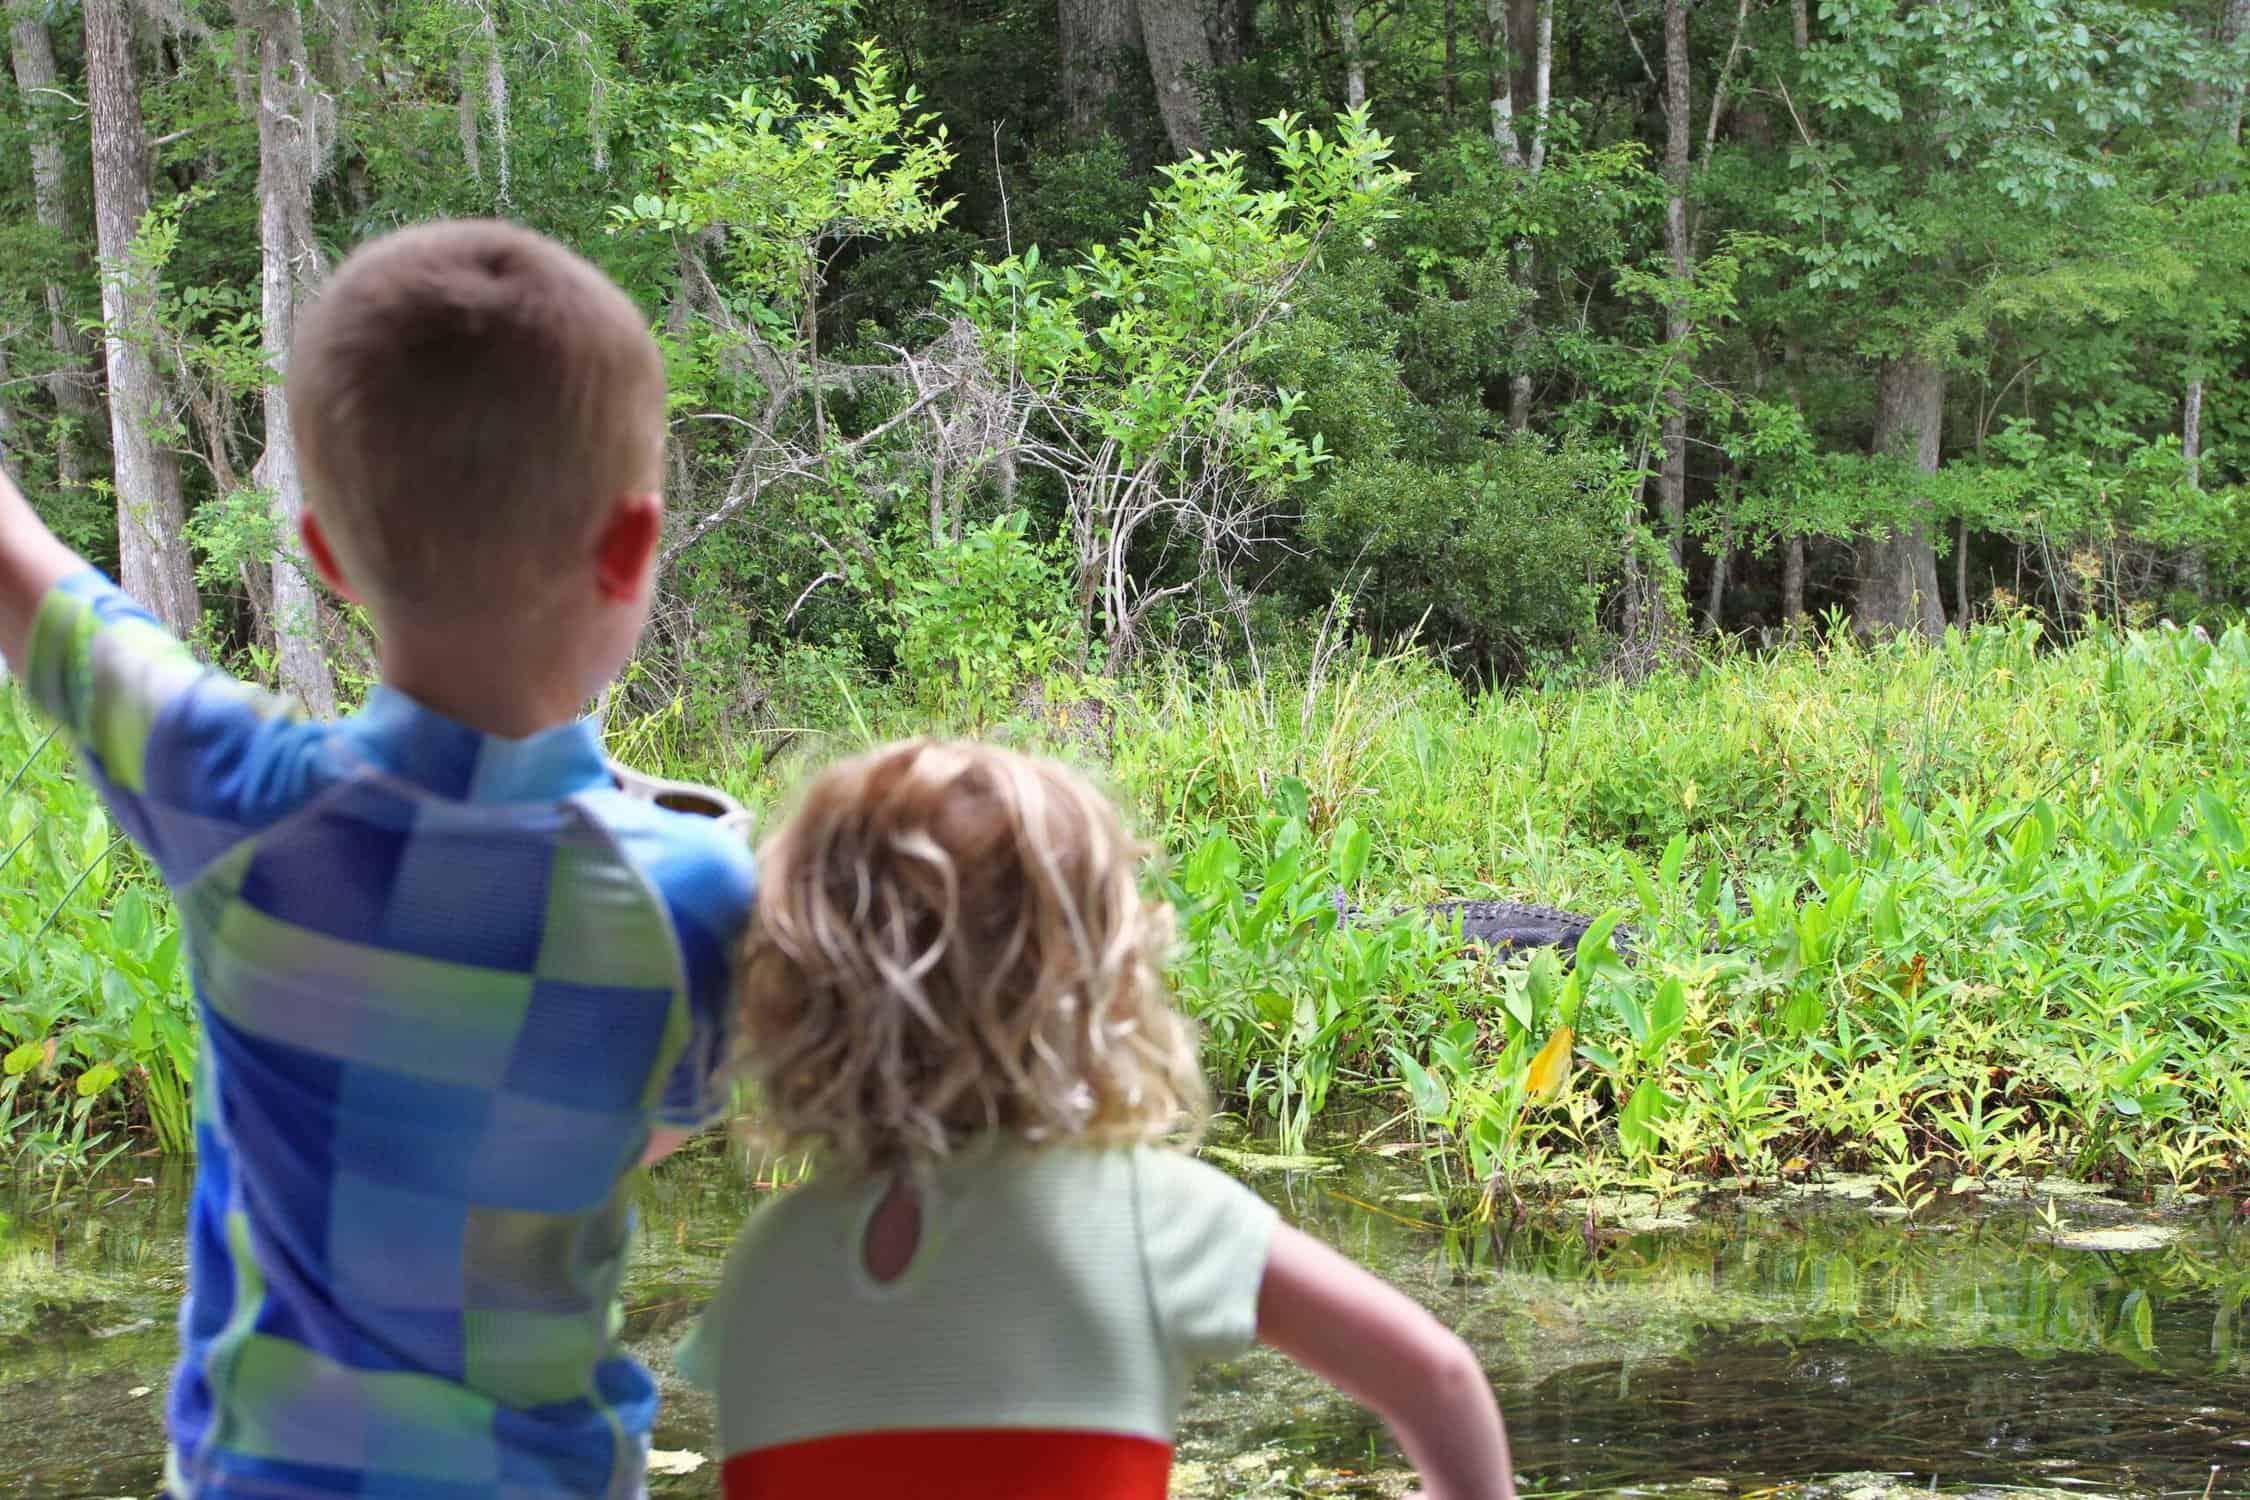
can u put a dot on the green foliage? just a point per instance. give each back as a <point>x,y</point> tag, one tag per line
<point>1857,882</point>
<point>95,1022</point>
<point>788,185</point>
<point>1133,336</point>
<point>976,619</point>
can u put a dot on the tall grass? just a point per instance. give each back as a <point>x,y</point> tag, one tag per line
<point>1927,913</point>
<point>1921,912</point>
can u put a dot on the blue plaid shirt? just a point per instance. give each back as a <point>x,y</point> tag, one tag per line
<point>448,982</point>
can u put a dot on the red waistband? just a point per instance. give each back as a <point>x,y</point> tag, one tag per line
<point>980,1463</point>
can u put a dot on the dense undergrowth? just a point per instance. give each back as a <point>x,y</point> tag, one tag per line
<point>1974,910</point>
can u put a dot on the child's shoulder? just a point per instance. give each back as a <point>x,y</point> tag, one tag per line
<point>684,854</point>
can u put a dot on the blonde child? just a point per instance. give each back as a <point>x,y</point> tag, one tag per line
<point>998,1283</point>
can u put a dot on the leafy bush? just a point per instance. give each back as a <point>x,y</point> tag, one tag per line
<point>94,1009</point>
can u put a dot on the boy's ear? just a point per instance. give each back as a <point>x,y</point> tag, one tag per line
<point>324,557</point>
<point>625,550</point>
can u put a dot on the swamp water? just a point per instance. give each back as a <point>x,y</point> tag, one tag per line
<point>1789,1341</point>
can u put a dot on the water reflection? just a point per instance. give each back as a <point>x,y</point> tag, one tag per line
<point>1775,1340</point>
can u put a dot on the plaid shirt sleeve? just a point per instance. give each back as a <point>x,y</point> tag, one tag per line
<point>189,760</point>
<point>708,883</point>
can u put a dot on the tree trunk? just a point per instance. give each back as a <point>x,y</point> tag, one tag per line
<point>32,50</point>
<point>1898,584</point>
<point>1539,78</point>
<point>2189,569</point>
<point>1096,37</point>
<point>1961,571</point>
<point>1542,84</point>
<point>1715,596</point>
<point>1523,24</point>
<point>8,445</point>
<point>2226,105</point>
<point>1793,584</point>
<point>1679,129</point>
<point>1800,24</point>
<point>1179,62</point>
<point>1347,36</point>
<point>1448,84</point>
<point>154,565</point>
<point>1233,27</point>
<point>496,102</point>
<point>291,263</point>
<point>1500,45</point>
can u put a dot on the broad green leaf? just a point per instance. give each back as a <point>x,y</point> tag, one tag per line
<point>1430,1098</point>
<point>2220,826</point>
<point>1667,1010</point>
<point>95,1079</point>
<point>24,1058</point>
<point>1637,1122</point>
<point>129,924</point>
<point>1675,855</point>
<point>1352,847</point>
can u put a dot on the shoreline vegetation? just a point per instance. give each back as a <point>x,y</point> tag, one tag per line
<point>1914,913</point>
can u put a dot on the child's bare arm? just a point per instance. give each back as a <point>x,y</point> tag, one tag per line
<point>32,561</point>
<point>1376,1345</point>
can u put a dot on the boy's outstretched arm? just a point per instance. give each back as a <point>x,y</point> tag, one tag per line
<point>32,561</point>
<point>1375,1344</point>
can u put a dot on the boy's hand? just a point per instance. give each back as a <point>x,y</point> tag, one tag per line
<point>32,561</point>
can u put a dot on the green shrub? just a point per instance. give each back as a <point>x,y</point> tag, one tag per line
<point>95,1015</point>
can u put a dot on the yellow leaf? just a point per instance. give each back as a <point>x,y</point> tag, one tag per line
<point>1550,1066</point>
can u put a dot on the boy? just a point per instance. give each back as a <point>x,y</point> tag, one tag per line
<point>454,984</point>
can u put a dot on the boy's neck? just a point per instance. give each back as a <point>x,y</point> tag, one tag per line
<point>483,689</point>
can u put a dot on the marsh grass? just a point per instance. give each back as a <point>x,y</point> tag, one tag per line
<point>1926,912</point>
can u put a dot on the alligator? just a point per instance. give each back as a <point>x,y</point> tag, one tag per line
<point>1501,925</point>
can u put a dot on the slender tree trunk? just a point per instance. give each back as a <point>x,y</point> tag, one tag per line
<point>1179,61</point>
<point>1793,584</point>
<point>2190,570</point>
<point>1542,84</point>
<point>1096,36</point>
<point>1715,594</point>
<point>1233,28</point>
<point>1355,71</point>
<point>1898,586</point>
<point>1523,25</point>
<point>1793,358</point>
<point>152,550</point>
<point>1541,20</point>
<point>291,263</point>
<point>1961,570</point>
<point>1449,86</point>
<point>1500,43</point>
<point>32,51</point>
<point>1678,134</point>
<point>8,444</point>
<point>496,102</point>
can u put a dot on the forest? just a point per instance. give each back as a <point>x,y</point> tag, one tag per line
<point>1015,338</point>
<point>1767,477</point>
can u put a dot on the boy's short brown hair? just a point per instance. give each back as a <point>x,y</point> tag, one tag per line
<point>465,395</point>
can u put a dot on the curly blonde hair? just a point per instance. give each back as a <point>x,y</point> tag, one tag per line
<point>950,939</point>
